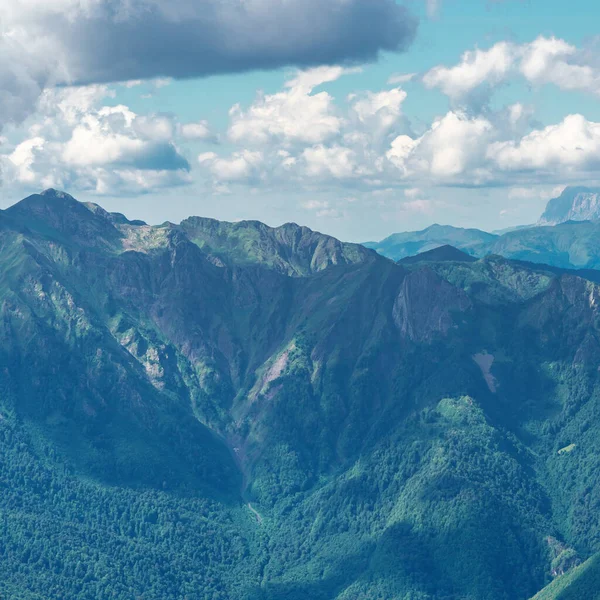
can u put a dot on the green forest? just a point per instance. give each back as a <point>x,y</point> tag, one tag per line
<point>220,411</point>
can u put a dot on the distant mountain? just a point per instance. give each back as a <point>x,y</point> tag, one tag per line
<point>441,254</point>
<point>574,204</point>
<point>401,245</point>
<point>567,245</point>
<point>573,244</point>
<point>219,411</point>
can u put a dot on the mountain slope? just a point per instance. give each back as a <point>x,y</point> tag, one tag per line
<point>415,430</point>
<point>289,249</point>
<point>581,582</point>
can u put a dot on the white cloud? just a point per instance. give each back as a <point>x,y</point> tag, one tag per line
<point>475,68</point>
<point>452,147</point>
<point>199,131</point>
<point>76,144</point>
<point>401,150</point>
<point>157,128</point>
<point>572,145</point>
<point>323,209</point>
<point>421,206</point>
<point>378,112</point>
<point>117,137</point>
<point>552,60</point>
<point>243,166</point>
<point>535,193</point>
<point>292,116</point>
<point>414,193</point>
<point>400,78</point>
<point>23,157</point>
<point>545,60</point>
<point>336,161</point>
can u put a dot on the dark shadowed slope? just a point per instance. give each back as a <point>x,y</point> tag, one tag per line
<point>441,254</point>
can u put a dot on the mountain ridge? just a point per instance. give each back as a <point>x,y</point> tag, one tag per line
<point>415,430</point>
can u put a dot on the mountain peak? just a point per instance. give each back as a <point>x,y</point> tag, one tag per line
<point>56,211</point>
<point>575,203</point>
<point>445,253</point>
<point>53,193</point>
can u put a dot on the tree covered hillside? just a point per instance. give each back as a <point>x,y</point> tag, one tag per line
<point>213,410</point>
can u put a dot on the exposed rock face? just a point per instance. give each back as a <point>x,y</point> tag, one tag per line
<point>574,204</point>
<point>425,305</point>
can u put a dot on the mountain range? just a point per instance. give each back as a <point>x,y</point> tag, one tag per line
<point>566,236</point>
<point>229,411</point>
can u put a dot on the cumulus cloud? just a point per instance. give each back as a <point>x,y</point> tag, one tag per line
<point>73,142</point>
<point>552,60</point>
<point>476,67</point>
<point>572,145</point>
<point>74,42</point>
<point>243,166</point>
<point>199,131</point>
<point>378,112</point>
<point>294,115</point>
<point>301,137</point>
<point>451,147</point>
<point>545,60</point>
<point>335,161</point>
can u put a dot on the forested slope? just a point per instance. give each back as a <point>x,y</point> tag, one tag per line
<point>416,431</point>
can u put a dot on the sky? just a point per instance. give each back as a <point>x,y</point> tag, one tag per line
<point>357,118</point>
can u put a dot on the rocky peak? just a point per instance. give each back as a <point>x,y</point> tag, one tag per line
<point>55,212</point>
<point>574,204</point>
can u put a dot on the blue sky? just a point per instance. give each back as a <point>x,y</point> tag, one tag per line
<point>467,112</point>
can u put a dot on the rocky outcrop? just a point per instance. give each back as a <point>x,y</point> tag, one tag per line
<point>426,305</point>
<point>574,204</point>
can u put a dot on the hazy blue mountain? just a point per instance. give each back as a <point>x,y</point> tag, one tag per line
<point>235,412</point>
<point>574,204</point>
<point>440,254</point>
<point>574,244</point>
<point>565,237</point>
<point>401,245</point>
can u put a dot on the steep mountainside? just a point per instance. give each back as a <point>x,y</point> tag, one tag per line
<point>289,249</point>
<point>574,204</point>
<point>217,411</point>
<point>581,582</point>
